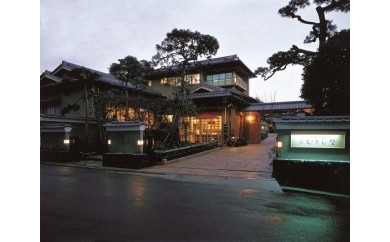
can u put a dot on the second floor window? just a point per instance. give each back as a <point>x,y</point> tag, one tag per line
<point>49,108</point>
<point>220,79</point>
<point>175,81</point>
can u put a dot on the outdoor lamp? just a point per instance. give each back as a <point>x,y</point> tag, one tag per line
<point>140,142</point>
<point>66,141</point>
<point>109,141</point>
<point>279,144</point>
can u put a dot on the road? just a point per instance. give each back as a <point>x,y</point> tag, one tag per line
<point>80,204</point>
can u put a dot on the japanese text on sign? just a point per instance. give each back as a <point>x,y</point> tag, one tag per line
<point>318,140</point>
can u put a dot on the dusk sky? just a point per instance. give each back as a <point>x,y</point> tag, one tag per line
<point>96,33</point>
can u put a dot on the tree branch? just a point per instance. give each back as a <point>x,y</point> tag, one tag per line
<point>300,19</point>
<point>307,52</point>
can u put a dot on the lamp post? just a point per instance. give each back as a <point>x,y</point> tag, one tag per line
<point>140,143</point>
<point>279,145</point>
<point>67,130</point>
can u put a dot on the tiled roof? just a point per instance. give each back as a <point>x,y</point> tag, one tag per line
<point>312,119</point>
<point>278,106</point>
<point>208,86</point>
<point>123,123</point>
<point>104,77</point>
<point>210,94</point>
<point>213,61</point>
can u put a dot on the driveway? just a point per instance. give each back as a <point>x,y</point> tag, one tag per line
<point>252,161</point>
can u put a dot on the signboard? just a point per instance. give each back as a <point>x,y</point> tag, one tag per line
<point>318,139</point>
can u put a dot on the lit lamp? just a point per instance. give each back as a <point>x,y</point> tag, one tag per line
<point>67,130</point>
<point>140,143</point>
<point>279,144</point>
<point>109,142</point>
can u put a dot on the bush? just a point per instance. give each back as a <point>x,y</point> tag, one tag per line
<point>59,156</point>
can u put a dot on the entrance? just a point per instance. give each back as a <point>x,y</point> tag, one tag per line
<point>205,128</point>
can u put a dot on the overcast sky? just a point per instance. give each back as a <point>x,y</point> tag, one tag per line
<point>96,33</point>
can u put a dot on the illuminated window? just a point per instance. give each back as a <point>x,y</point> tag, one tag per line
<point>202,130</point>
<point>175,81</point>
<point>119,114</point>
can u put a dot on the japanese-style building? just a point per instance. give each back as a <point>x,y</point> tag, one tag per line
<point>219,87</point>
<point>220,90</point>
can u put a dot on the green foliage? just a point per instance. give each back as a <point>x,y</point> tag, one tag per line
<point>69,108</point>
<point>326,70</point>
<point>176,52</point>
<point>329,91</point>
<point>181,46</point>
<point>82,77</point>
<point>130,71</point>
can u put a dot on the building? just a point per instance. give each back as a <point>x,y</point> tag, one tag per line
<point>66,119</point>
<point>219,87</point>
<point>268,111</point>
<point>220,90</point>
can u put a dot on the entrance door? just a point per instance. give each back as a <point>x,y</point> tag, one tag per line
<point>205,128</point>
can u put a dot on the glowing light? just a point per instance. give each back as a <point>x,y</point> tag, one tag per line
<point>109,141</point>
<point>140,142</point>
<point>279,144</point>
<point>66,141</point>
<point>249,118</point>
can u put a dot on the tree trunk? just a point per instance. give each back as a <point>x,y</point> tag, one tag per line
<point>127,104</point>
<point>86,139</point>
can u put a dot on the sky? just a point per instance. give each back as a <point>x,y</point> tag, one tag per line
<point>96,33</point>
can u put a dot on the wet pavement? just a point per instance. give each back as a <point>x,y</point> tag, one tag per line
<point>253,161</point>
<point>100,205</point>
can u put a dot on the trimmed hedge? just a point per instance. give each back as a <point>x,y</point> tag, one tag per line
<point>183,151</point>
<point>59,156</point>
<point>139,161</point>
<point>318,175</point>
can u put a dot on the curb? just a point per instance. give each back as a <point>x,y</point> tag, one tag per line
<point>185,157</point>
<point>310,191</point>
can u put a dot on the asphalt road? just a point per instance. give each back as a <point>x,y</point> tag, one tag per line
<point>80,204</point>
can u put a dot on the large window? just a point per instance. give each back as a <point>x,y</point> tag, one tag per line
<point>228,78</point>
<point>119,114</point>
<point>220,79</point>
<point>175,81</point>
<point>49,108</point>
<point>202,130</point>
